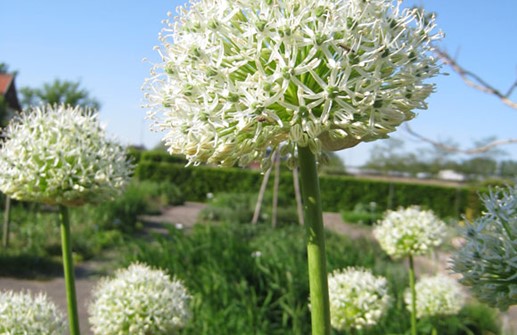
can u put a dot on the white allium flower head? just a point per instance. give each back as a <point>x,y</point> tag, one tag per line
<point>488,259</point>
<point>139,300</point>
<point>24,313</point>
<point>358,299</point>
<point>237,77</point>
<point>60,155</point>
<point>409,231</point>
<point>438,295</point>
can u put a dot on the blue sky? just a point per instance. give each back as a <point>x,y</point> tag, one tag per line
<point>102,43</point>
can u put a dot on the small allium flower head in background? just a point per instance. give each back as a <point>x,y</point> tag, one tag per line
<point>439,295</point>
<point>139,300</point>
<point>358,299</point>
<point>24,313</point>
<point>409,231</point>
<point>60,155</point>
<point>237,77</point>
<point>488,259</point>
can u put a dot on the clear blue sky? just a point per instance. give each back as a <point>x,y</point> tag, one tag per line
<point>102,43</point>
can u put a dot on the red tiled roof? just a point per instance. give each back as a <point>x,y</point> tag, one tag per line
<point>5,82</point>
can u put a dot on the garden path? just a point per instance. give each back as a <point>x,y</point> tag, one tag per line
<point>88,273</point>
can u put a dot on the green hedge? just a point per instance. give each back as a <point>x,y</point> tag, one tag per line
<point>338,192</point>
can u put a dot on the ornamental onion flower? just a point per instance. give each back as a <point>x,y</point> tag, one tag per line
<point>358,299</point>
<point>60,155</point>
<point>438,295</point>
<point>238,77</point>
<point>139,300</point>
<point>409,232</point>
<point>24,313</point>
<point>488,259</point>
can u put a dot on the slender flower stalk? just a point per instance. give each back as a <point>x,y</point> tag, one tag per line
<point>412,287</point>
<point>239,78</point>
<point>60,155</point>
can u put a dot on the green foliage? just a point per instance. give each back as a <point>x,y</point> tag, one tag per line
<point>253,280</point>
<point>58,92</point>
<point>338,192</point>
<point>140,197</point>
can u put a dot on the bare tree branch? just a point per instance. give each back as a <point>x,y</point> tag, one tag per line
<point>454,149</point>
<point>478,83</point>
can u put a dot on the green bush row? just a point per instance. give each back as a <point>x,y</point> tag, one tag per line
<point>338,193</point>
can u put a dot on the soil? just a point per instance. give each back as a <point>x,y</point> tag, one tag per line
<point>88,273</point>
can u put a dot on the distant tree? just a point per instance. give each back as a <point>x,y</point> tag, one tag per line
<point>508,169</point>
<point>58,92</point>
<point>479,167</point>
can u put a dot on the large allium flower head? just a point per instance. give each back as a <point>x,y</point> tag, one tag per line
<point>237,77</point>
<point>60,155</point>
<point>409,231</point>
<point>438,295</point>
<point>358,299</point>
<point>139,300</point>
<point>488,259</point>
<point>24,313</point>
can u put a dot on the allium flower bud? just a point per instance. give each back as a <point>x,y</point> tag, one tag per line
<point>488,259</point>
<point>439,295</point>
<point>23,313</point>
<point>409,231</point>
<point>60,155</point>
<point>358,299</point>
<point>237,77</point>
<point>139,300</point>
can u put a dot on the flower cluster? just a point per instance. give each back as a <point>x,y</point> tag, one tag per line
<point>139,300</point>
<point>60,155</point>
<point>358,299</point>
<point>488,259</point>
<point>438,295</point>
<point>409,231</point>
<point>237,77</point>
<point>23,313</point>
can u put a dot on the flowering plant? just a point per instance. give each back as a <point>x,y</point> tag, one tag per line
<point>24,313</point>
<point>139,300</point>
<point>238,77</point>
<point>60,155</point>
<point>409,231</point>
<point>358,299</point>
<point>487,260</point>
<point>438,295</point>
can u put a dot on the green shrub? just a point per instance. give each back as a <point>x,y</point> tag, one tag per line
<point>337,192</point>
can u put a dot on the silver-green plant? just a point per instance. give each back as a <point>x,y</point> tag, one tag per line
<point>139,300</point>
<point>238,78</point>
<point>358,299</point>
<point>487,260</point>
<point>60,155</point>
<point>26,313</point>
<point>408,232</point>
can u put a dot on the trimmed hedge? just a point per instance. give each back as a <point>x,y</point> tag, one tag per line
<point>337,192</point>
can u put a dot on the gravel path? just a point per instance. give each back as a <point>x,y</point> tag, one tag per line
<point>88,273</point>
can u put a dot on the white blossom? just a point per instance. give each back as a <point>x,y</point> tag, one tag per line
<point>358,299</point>
<point>24,313</point>
<point>409,231</point>
<point>237,77</point>
<point>435,296</point>
<point>60,155</point>
<point>488,259</point>
<point>139,300</point>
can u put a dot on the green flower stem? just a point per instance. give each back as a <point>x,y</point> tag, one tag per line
<point>413,294</point>
<point>68,267</point>
<point>318,284</point>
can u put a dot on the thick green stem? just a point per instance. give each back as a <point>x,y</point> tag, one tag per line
<point>317,262</point>
<point>7,218</point>
<point>68,267</point>
<point>413,294</point>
